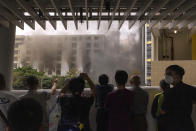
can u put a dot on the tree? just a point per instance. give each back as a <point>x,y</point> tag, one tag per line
<point>45,81</point>
<point>21,73</point>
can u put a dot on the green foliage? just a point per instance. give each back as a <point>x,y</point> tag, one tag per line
<point>46,82</point>
<point>20,74</point>
<point>72,73</point>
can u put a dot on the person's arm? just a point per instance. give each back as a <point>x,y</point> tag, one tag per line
<point>90,82</point>
<point>53,89</point>
<point>154,106</point>
<point>65,88</point>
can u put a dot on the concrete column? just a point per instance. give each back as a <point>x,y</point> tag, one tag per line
<point>7,38</point>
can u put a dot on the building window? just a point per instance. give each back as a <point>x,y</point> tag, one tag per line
<point>15,65</point>
<point>73,52</point>
<point>59,53</point>
<point>15,58</point>
<point>74,45</point>
<point>49,72</point>
<point>16,52</point>
<point>19,39</point>
<point>96,45</point>
<point>88,38</point>
<point>58,72</point>
<point>148,82</point>
<point>88,45</point>
<point>74,38</point>
<point>73,58</point>
<point>58,66</point>
<point>28,58</point>
<point>96,37</point>
<point>73,64</point>
<point>16,45</point>
<point>97,51</point>
<point>58,58</point>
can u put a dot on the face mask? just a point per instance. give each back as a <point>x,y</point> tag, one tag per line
<point>169,79</point>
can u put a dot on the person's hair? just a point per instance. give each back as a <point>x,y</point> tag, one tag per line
<point>65,86</point>
<point>31,82</point>
<point>121,77</point>
<point>103,79</point>
<point>177,69</point>
<point>25,115</point>
<point>76,85</point>
<point>164,85</point>
<point>2,82</point>
<point>135,80</point>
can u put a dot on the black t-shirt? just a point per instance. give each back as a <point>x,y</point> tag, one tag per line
<point>177,105</point>
<point>101,93</point>
<point>75,108</point>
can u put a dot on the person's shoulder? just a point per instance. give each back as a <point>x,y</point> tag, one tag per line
<point>158,95</point>
<point>8,94</point>
<point>187,85</point>
<point>110,86</point>
<point>98,86</point>
<point>145,92</point>
<point>45,95</point>
<point>128,90</point>
<point>112,93</point>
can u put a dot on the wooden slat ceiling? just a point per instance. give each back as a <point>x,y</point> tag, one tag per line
<point>167,13</point>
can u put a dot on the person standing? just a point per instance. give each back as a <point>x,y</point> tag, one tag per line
<point>140,104</point>
<point>119,104</point>
<point>75,106</point>
<point>32,83</point>
<point>178,101</point>
<point>157,104</point>
<point>102,90</point>
<point>6,99</point>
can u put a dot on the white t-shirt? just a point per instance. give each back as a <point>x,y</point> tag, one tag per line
<point>42,98</point>
<point>6,99</point>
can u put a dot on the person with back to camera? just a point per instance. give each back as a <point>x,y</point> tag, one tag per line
<point>157,104</point>
<point>119,104</point>
<point>140,104</point>
<point>178,101</point>
<point>75,107</point>
<point>32,84</point>
<point>102,90</point>
<point>6,99</point>
<point>25,115</point>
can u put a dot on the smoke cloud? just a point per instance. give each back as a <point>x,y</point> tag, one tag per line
<point>122,48</point>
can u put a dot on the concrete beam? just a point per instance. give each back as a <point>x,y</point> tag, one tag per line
<point>73,14</point>
<point>15,12</point>
<point>113,14</point>
<point>46,14</point>
<point>11,18</point>
<point>141,12</point>
<point>59,14</point>
<point>28,9</point>
<point>7,38</point>
<point>100,14</point>
<point>127,13</point>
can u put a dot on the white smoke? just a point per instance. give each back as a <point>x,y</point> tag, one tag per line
<point>126,55</point>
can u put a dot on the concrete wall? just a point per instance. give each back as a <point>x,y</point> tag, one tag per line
<point>158,71</point>
<point>194,46</point>
<point>182,44</point>
<point>151,122</point>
